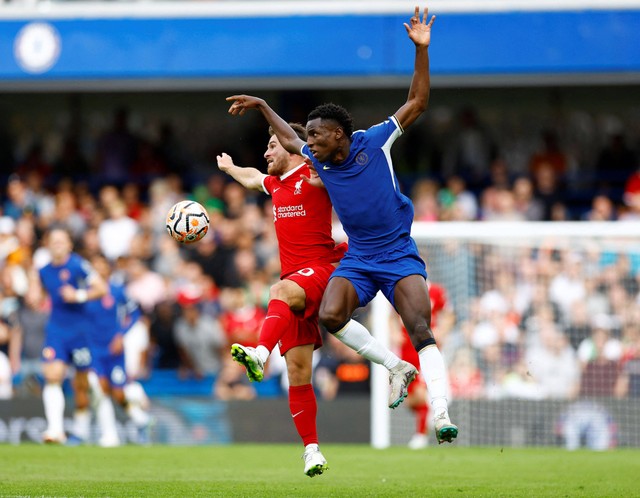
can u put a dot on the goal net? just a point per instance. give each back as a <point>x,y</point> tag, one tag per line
<point>540,332</point>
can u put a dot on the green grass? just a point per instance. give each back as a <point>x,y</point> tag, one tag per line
<point>276,470</point>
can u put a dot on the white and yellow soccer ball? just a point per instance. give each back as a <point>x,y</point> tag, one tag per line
<point>187,222</point>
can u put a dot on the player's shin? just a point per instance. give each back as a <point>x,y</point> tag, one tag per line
<point>304,409</point>
<point>435,374</point>
<point>277,321</point>
<point>53,400</point>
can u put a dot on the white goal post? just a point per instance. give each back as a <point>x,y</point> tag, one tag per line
<point>547,315</point>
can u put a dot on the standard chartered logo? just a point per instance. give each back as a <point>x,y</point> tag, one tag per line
<point>291,211</point>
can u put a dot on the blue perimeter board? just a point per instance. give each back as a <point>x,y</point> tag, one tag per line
<point>512,43</point>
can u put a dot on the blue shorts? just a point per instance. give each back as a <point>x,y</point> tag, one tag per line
<point>109,366</point>
<point>68,345</point>
<point>369,274</point>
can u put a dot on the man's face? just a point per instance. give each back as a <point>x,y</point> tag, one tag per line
<point>277,157</point>
<point>60,244</point>
<point>322,139</point>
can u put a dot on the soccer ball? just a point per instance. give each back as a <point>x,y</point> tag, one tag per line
<point>187,222</point>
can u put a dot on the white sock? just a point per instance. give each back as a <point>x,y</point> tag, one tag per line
<point>358,338</point>
<point>82,424</point>
<point>435,375</point>
<point>53,401</point>
<point>263,353</point>
<point>106,416</point>
<point>139,417</point>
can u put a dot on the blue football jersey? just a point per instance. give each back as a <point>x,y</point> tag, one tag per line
<point>365,193</point>
<point>112,314</point>
<point>75,272</point>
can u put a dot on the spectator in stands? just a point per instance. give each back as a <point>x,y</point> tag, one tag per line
<point>525,201</point>
<point>602,209</point>
<point>601,345</point>
<point>547,189</point>
<point>145,286</point>
<point>500,205</point>
<point>628,383</point>
<point>578,324</point>
<point>18,200</point>
<point>456,202</point>
<point>549,154</point>
<point>568,285</point>
<point>117,231</point>
<point>553,364</point>
<point>66,215</point>
<point>425,200</point>
<point>199,337</point>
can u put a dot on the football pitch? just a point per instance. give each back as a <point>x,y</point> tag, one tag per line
<point>267,470</point>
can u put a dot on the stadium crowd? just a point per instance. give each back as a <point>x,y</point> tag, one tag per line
<point>556,326</point>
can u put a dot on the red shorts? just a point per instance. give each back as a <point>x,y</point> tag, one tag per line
<point>305,329</point>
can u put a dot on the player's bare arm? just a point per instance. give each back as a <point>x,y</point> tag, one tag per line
<point>419,31</point>
<point>286,135</point>
<point>250,178</point>
<point>96,289</point>
<point>313,178</point>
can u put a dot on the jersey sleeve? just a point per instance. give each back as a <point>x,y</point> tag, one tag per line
<point>385,133</point>
<point>267,183</point>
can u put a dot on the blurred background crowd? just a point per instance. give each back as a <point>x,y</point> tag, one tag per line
<point>578,317</point>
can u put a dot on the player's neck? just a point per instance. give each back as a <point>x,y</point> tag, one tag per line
<point>341,153</point>
<point>60,260</point>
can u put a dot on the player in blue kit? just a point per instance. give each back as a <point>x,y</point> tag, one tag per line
<point>111,315</point>
<point>356,169</point>
<point>70,283</point>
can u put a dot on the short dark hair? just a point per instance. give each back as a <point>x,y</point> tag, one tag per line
<point>300,130</point>
<point>335,113</point>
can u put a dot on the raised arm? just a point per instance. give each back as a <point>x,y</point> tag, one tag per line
<point>247,177</point>
<point>286,135</point>
<point>420,33</point>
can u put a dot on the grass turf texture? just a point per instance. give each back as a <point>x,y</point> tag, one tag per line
<point>276,470</point>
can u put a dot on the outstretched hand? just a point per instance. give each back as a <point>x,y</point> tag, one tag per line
<point>243,102</point>
<point>224,162</point>
<point>420,31</point>
<point>313,178</point>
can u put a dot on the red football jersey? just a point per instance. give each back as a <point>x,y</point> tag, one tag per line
<point>302,217</point>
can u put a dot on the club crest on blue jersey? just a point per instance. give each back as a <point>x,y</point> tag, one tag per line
<point>64,275</point>
<point>108,301</point>
<point>362,158</point>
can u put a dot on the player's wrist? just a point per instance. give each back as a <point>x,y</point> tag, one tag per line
<point>81,296</point>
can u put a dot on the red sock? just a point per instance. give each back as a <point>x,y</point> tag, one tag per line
<point>421,418</point>
<point>304,408</point>
<point>276,323</point>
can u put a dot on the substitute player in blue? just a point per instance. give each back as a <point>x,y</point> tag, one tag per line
<point>357,172</point>
<point>70,283</point>
<point>111,316</point>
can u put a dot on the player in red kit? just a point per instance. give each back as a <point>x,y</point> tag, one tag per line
<point>308,257</point>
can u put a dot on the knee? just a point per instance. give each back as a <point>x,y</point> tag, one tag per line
<point>298,374</point>
<point>332,317</point>
<point>277,291</point>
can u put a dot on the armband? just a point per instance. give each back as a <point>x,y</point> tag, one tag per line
<point>81,296</point>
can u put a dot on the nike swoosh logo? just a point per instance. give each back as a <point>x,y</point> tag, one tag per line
<point>276,189</point>
<point>296,414</point>
<point>326,167</point>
